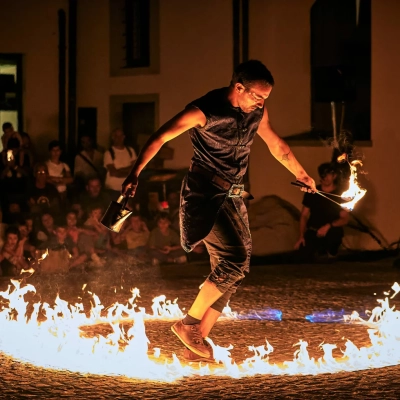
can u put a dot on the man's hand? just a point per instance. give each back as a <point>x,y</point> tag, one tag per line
<point>321,232</point>
<point>307,180</point>
<point>299,243</point>
<point>129,186</point>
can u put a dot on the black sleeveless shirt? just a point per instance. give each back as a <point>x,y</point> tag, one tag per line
<point>223,144</point>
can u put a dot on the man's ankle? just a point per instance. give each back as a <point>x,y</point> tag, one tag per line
<point>189,320</point>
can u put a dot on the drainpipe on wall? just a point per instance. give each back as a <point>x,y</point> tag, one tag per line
<point>72,39</point>
<point>62,48</point>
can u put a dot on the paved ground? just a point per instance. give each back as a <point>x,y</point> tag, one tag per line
<point>296,290</point>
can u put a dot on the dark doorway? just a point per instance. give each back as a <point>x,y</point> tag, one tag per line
<point>11,90</point>
<point>341,67</point>
<point>138,122</point>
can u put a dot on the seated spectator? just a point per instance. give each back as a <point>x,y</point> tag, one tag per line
<point>8,133</point>
<point>321,221</point>
<point>88,162</point>
<point>118,161</point>
<point>62,243</point>
<point>12,259</point>
<point>59,173</point>
<point>13,178</point>
<point>101,234</point>
<point>43,196</point>
<point>82,239</point>
<point>29,249</point>
<point>164,243</point>
<point>94,194</point>
<point>28,158</point>
<point>46,229</point>
<point>136,236</point>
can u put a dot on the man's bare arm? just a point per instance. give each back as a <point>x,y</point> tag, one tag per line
<point>281,151</point>
<point>185,120</point>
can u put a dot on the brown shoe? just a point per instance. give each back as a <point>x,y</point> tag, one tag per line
<point>190,336</point>
<point>188,355</point>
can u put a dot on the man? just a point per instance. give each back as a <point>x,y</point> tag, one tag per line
<point>59,173</point>
<point>222,126</point>
<point>118,161</point>
<point>94,193</point>
<point>321,220</point>
<point>43,196</point>
<point>8,133</point>
<point>88,162</point>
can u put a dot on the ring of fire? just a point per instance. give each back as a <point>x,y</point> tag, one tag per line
<point>58,341</point>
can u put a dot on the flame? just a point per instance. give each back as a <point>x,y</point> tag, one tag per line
<point>58,341</point>
<point>44,255</point>
<point>354,192</point>
<point>342,158</point>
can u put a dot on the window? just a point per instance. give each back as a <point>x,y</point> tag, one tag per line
<point>134,37</point>
<point>11,91</point>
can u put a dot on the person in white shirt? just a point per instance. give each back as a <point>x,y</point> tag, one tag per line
<point>89,161</point>
<point>118,161</point>
<point>59,172</point>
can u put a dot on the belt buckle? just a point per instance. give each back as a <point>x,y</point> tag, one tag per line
<point>236,190</point>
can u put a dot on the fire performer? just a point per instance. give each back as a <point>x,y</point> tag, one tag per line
<point>221,125</point>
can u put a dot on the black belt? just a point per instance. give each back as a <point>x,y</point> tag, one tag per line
<point>234,190</point>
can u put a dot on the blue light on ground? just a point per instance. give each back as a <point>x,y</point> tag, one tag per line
<point>265,314</point>
<point>330,315</point>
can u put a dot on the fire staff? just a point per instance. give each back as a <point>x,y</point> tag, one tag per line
<point>221,126</point>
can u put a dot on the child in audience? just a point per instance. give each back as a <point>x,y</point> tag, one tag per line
<point>82,238</point>
<point>136,236</point>
<point>101,235</point>
<point>62,242</point>
<point>164,243</point>
<point>29,249</point>
<point>12,259</point>
<point>59,172</point>
<point>46,230</point>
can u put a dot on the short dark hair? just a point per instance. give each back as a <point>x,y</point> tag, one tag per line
<point>54,143</point>
<point>6,125</point>
<point>163,215</point>
<point>326,168</point>
<point>12,230</point>
<point>250,72</point>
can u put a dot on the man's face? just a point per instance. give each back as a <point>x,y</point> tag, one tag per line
<point>86,143</point>
<point>55,153</point>
<point>328,179</point>
<point>252,96</point>
<point>8,131</point>
<point>41,174</point>
<point>118,138</point>
<point>93,187</point>
<point>47,221</point>
<point>12,239</point>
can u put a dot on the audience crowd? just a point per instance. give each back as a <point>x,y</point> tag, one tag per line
<point>51,211</point>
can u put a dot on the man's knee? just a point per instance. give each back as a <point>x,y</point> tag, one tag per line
<point>225,276</point>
